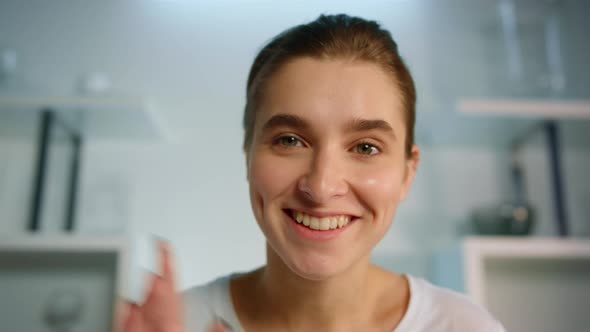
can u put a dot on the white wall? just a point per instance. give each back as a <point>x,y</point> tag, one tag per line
<point>193,59</point>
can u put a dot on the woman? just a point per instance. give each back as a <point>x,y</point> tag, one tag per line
<point>329,148</point>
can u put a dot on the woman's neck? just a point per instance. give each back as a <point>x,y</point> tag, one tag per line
<point>325,301</point>
<point>334,304</point>
<point>364,298</point>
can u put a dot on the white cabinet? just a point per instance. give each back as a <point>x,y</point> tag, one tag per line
<point>75,278</point>
<point>530,284</point>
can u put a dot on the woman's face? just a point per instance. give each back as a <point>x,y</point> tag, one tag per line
<point>327,166</point>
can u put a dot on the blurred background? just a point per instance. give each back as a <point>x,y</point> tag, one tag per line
<point>121,121</point>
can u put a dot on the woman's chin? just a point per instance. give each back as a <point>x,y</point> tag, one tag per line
<point>315,270</point>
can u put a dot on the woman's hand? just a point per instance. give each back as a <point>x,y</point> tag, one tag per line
<point>162,310</point>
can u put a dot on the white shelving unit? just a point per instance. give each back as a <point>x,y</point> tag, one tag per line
<point>34,268</point>
<point>93,117</point>
<point>478,250</point>
<point>75,120</point>
<point>530,284</point>
<point>526,108</point>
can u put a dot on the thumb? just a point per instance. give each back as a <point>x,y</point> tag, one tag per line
<point>167,267</point>
<point>133,320</point>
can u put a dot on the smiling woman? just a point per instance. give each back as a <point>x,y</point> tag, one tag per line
<point>328,170</point>
<point>330,154</point>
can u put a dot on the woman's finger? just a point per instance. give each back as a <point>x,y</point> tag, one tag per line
<point>162,287</point>
<point>132,322</point>
<point>162,310</point>
<point>167,265</point>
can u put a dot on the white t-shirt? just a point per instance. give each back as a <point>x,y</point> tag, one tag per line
<point>431,309</point>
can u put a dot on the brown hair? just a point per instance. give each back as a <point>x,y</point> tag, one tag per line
<point>331,37</point>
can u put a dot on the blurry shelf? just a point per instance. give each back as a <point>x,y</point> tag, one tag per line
<point>528,108</point>
<point>63,243</point>
<point>36,268</point>
<point>94,117</point>
<point>452,129</point>
<point>475,128</point>
<point>76,120</point>
<point>529,284</point>
<point>63,246</point>
<point>479,250</point>
<point>510,247</point>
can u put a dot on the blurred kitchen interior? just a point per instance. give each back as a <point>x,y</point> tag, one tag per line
<point>155,89</point>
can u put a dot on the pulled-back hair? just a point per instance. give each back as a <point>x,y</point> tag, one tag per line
<point>331,37</point>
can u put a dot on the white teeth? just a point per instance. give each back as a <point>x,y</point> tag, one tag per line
<point>299,217</point>
<point>306,221</point>
<point>333,223</point>
<point>321,224</point>
<point>342,220</point>
<point>324,224</point>
<point>314,223</point>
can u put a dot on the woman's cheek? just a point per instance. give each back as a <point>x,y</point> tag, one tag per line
<point>271,175</point>
<point>380,190</point>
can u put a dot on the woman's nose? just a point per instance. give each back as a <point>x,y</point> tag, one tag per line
<point>324,179</point>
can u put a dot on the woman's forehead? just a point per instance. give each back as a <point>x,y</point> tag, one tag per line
<point>330,92</point>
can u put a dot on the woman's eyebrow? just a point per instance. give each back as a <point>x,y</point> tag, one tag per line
<point>285,120</point>
<point>358,125</point>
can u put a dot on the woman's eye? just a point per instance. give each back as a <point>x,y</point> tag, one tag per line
<point>366,149</point>
<point>289,141</point>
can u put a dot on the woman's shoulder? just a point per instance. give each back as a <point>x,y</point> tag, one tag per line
<point>206,291</point>
<point>206,303</point>
<point>433,308</point>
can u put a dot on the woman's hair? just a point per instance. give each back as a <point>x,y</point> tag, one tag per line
<point>330,37</point>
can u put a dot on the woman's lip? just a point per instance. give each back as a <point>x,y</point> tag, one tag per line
<point>312,234</point>
<point>320,214</point>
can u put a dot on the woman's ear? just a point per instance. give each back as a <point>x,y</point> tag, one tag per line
<point>412,163</point>
<point>247,158</point>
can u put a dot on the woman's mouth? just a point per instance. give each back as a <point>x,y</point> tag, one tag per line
<point>319,223</point>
